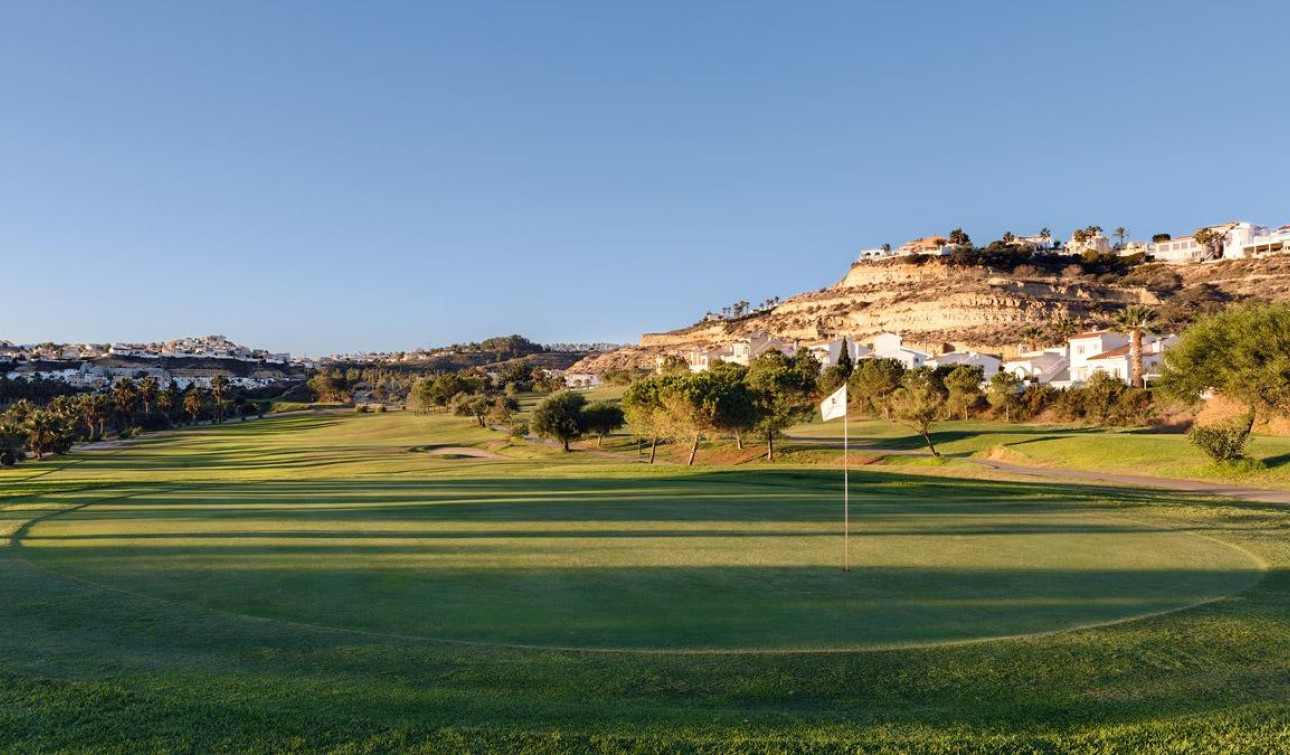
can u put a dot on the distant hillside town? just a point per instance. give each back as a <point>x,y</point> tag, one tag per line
<point>1234,240</point>
<point>184,361</point>
<point>1070,362</point>
<point>500,348</point>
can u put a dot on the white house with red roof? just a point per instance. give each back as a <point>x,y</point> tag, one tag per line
<point>1087,346</point>
<point>1108,351</point>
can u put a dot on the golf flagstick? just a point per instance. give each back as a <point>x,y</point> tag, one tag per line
<point>833,407</point>
<point>846,489</point>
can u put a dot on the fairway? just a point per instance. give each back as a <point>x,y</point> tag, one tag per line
<point>627,558</point>
<point>335,581</point>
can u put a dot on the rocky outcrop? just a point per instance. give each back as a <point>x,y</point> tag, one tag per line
<point>938,306</point>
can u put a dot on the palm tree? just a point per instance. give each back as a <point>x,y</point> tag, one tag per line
<point>1134,320</point>
<point>126,398</point>
<point>1031,335</point>
<point>219,384</point>
<point>95,408</point>
<point>194,402</point>
<point>1120,233</point>
<point>1211,240</point>
<point>1063,329</point>
<point>148,392</point>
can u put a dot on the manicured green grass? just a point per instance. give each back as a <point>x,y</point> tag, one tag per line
<point>277,585</point>
<point>1135,452</point>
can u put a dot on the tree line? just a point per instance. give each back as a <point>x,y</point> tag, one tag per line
<point>127,407</point>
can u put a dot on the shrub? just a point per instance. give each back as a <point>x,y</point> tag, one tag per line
<point>361,409</point>
<point>1223,442</point>
<point>130,432</point>
<point>381,409</point>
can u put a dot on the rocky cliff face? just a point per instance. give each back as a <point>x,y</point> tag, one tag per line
<point>940,307</point>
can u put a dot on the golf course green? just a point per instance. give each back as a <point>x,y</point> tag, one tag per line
<point>440,584</point>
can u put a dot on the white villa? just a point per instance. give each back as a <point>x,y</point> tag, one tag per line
<point>1046,367</point>
<point>1248,240</point>
<point>742,352</point>
<point>1118,362</point>
<point>1097,243</point>
<point>1035,243</point>
<point>829,350</point>
<point>1108,351</point>
<point>1241,240</point>
<point>1180,251</point>
<point>1086,346</point>
<point>990,365</point>
<point>581,380</point>
<point>891,346</point>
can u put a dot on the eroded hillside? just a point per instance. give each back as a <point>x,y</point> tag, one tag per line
<point>940,306</point>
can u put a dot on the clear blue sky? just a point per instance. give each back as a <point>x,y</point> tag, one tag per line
<point>318,176</point>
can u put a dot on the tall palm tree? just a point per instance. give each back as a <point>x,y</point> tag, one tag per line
<point>219,386</point>
<point>194,402</point>
<point>1134,320</point>
<point>1031,335</point>
<point>148,392</point>
<point>126,398</point>
<point>1120,233</point>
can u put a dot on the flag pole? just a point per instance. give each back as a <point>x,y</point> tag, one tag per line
<point>846,493</point>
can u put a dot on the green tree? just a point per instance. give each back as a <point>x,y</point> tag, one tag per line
<point>1134,320</point>
<point>959,237</point>
<point>963,386</point>
<point>559,417</point>
<point>602,418</point>
<point>1003,392</point>
<point>736,407</point>
<point>918,403</point>
<point>1101,396</point>
<point>1242,353</point>
<point>13,442</point>
<point>872,381</point>
<point>643,408</point>
<point>782,391</point>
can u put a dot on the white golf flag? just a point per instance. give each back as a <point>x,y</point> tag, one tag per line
<point>836,405</point>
